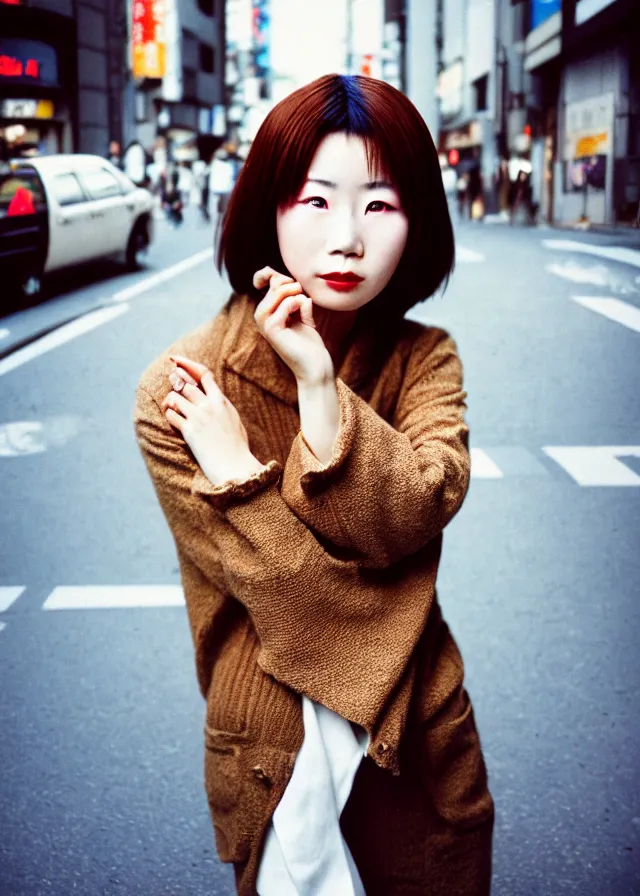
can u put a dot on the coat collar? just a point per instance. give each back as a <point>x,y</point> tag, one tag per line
<point>252,358</point>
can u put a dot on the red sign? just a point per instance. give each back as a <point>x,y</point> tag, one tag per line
<point>11,2</point>
<point>454,157</point>
<point>147,38</point>
<point>10,67</point>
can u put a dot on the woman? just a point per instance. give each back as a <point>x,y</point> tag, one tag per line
<point>308,446</point>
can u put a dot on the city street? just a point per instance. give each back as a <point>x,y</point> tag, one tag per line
<point>101,747</point>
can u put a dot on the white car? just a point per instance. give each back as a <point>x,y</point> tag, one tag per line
<point>62,210</point>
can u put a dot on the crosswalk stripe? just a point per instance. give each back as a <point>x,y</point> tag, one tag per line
<point>106,597</point>
<point>615,253</point>
<point>8,595</point>
<point>482,467</point>
<point>597,466</point>
<point>468,255</point>
<point>615,309</point>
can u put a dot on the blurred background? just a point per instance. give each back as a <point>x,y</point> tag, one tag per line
<point>545,87</point>
<point>123,126</point>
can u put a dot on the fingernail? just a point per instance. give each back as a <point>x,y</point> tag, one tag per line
<point>176,381</point>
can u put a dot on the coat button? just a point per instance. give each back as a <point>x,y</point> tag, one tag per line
<point>260,774</point>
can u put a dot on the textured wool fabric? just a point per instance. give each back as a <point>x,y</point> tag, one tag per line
<point>320,580</point>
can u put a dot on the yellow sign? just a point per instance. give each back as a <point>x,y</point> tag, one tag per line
<point>147,38</point>
<point>44,109</point>
<point>591,146</point>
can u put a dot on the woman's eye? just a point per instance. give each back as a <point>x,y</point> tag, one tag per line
<point>381,206</point>
<point>313,199</point>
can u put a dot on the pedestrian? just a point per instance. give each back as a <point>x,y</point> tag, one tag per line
<point>185,183</point>
<point>222,179</point>
<point>172,199</point>
<point>205,174</point>
<point>461,193</point>
<point>475,188</point>
<point>308,446</point>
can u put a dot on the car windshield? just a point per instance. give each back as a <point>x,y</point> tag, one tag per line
<point>21,192</point>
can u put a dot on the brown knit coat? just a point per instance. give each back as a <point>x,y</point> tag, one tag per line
<point>320,580</point>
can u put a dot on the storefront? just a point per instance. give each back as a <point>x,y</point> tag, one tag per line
<point>36,75</point>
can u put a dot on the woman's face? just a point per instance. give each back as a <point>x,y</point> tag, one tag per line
<point>342,223</point>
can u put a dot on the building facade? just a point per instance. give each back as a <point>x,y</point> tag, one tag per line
<point>63,75</point>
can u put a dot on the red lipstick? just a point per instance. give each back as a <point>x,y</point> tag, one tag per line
<point>342,282</point>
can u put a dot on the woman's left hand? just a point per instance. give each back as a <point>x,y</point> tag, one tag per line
<point>296,341</point>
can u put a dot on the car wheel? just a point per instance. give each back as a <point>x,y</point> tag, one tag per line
<point>138,242</point>
<point>23,291</point>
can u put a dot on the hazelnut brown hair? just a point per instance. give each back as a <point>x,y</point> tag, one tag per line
<point>398,146</point>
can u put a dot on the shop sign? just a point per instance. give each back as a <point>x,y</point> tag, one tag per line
<point>27,109</point>
<point>463,138</point>
<point>148,38</point>
<point>541,10</point>
<point>28,62</point>
<point>589,127</point>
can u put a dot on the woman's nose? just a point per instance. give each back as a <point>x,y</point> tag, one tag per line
<point>344,236</point>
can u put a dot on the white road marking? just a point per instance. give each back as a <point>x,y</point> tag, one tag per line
<point>468,255</point>
<point>22,437</point>
<point>58,337</point>
<point>106,597</point>
<point>615,253</point>
<point>2,625</point>
<point>614,309</point>
<point>8,595</point>
<point>149,282</point>
<point>4,333</point>
<point>597,466</point>
<point>482,467</point>
<point>596,275</point>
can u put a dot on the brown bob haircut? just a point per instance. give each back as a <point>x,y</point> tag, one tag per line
<point>398,146</point>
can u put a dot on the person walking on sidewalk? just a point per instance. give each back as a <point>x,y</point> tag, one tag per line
<point>308,446</point>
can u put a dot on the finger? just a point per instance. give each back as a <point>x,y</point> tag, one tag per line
<point>278,320</point>
<point>270,277</point>
<point>184,376</point>
<point>273,299</point>
<point>177,381</point>
<point>194,368</point>
<point>177,402</point>
<point>210,386</point>
<point>174,419</point>
<point>306,312</point>
<point>192,393</point>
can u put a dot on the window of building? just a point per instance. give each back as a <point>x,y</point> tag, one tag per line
<point>207,59</point>
<point>208,7</point>
<point>480,93</point>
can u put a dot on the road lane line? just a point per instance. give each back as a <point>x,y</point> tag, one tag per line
<point>615,253</point>
<point>2,625</point>
<point>4,333</point>
<point>60,336</point>
<point>482,467</point>
<point>468,255</point>
<point>614,309</point>
<point>597,466</point>
<point>8,595</point>
<point>109,597</point>
<point>162,276</point>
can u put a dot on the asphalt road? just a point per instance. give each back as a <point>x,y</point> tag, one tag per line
<point>101,736</point>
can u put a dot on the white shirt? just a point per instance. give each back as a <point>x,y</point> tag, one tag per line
<point>305,853</point>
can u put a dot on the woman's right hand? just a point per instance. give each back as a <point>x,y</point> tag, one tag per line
<point>209,423</point>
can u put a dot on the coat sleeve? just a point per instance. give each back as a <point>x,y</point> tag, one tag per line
<point>327,628</point>
<point>389,489</point>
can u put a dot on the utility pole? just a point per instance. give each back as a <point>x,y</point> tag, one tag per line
<point>349,41</point>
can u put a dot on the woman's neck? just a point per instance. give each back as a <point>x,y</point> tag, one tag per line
<point>335,328</point>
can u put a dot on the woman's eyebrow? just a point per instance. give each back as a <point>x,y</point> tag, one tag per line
<point>370,185</point>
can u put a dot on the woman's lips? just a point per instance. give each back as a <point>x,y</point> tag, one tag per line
<point>342,285</point>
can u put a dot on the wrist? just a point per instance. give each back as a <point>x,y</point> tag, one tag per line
<point>317,379</point>
<point>237,472</point>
